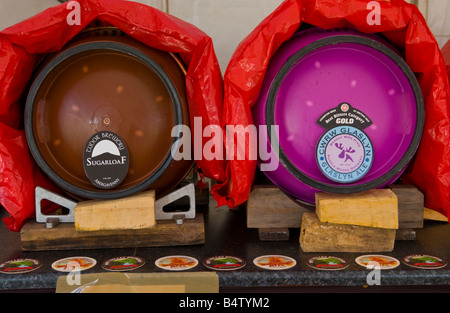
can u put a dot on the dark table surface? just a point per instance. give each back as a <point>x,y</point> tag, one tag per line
<point>227,234</point>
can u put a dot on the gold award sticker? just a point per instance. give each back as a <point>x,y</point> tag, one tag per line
<point>77,263</point>
<point>176,263</point>
<point>373,261</point>
<point>19,266</point>
<point>274,262</point>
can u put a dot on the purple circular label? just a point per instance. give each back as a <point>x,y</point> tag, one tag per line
<point>344,154</point>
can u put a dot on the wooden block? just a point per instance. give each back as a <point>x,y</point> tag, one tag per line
<point>316,236</point>
<point>35,237</point>
<point>372,208</point>
<point>433,215</point>
<point>135,212</point>
<point>273,234</point>
<point>269,207</point>
<point>410,206</point>
<point>405,234</point>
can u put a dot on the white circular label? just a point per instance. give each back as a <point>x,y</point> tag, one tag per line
<point>344,154</point>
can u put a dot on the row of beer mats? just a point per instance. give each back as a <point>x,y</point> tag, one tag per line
<point>224,263</point>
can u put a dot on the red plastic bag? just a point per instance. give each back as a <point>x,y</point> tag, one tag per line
<point>404,26</point>
<point>48,32</point>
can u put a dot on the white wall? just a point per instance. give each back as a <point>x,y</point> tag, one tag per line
<point>438,18</point>
<point>14,11</point>
<point>226,21</point>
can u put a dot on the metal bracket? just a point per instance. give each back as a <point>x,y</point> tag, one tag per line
<point>178,217</point>
<point>53,220</point>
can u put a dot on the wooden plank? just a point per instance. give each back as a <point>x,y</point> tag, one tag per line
<point>372,208</point>
<point>269,207</point>
<point>410,206</point>
<point>316,236</point>
<point>134,212</point>
<point>35,237</point>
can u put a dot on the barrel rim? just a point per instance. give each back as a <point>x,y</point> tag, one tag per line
<point>420,114</point>
<point>67,54</point>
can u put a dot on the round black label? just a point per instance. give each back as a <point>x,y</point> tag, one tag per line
<point>106,160</point>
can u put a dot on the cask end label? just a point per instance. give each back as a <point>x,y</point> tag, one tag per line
<point>106,160</point>
<point>344,153</point>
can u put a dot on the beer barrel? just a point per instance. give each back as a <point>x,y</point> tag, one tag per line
<point>348,112</point>
<point>99,116</point>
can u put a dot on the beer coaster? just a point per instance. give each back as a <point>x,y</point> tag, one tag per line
<point>424,261</point>
<point>325,262</point>
<point>123,263</point>
<point>274,262</point>
<point>373,261</point>
<point>19,266</point>
<point>176,263</point>
<point>77,263</point>
<point>224,263</point>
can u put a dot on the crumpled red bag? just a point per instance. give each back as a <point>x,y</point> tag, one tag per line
<point>48,32</point>
<point>404,26</point>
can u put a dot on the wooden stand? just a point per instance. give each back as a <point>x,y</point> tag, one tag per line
<point>410,211</point>
<point>35,237</point>
<point>65,236</point>
<point>272,212</point>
